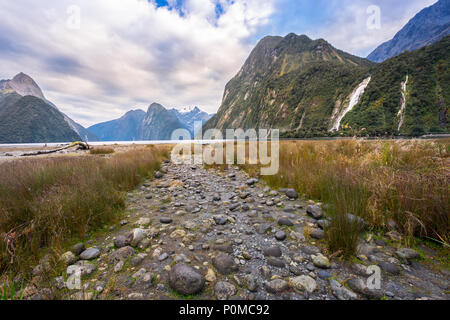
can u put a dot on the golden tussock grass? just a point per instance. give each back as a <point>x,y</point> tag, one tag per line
<point>46,202</point>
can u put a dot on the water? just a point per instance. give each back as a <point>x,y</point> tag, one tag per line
<point>401,113</point>
<point>109,143</point>
<point>354,99</point>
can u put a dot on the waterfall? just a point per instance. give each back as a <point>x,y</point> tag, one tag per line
<point>401,113</point>
<point>354,99</point>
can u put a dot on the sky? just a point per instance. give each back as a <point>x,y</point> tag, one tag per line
<point>98,59</point>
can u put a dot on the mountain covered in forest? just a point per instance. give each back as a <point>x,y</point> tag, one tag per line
<point>308,88</point>
<point>26,116</point>
<point>427,27</point>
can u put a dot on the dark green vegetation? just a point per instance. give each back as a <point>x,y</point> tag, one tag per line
<point>45,203</point>
<point>29,119</point>
<point>289,83</point>
<point>427,94</point>
<point>26,116</point>
<point>299,86</point>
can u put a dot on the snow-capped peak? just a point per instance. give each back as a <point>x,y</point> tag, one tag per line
<point>187,109</point>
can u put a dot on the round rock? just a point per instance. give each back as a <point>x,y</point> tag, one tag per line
<point>89,254</point>
<point>224,264</point>
<point>185,279</point>
<point>224,290</point>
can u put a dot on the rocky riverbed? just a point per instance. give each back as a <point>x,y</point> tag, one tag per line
<point>192,233</point>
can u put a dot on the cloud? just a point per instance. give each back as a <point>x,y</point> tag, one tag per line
<point>344,22</point>
<point>128,53</point>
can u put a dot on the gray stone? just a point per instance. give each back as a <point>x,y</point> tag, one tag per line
<point>252,181</point>
<point>317,234</point>
<point>185,279</point>
<point>224,264</point>
<point>83,267</point>
<point>280,235</point>
<point>407,253</point>
<point>166,220</point>
<point>120,242</point>
<point>136,236</point>
<point>291,194</point>
<point>324,275</point>
<point>158,175</point>
<point>274,251</point>
<point>224,290</point>
<point>68,258</point>
<point>389,267</point>
<point>275,262</point>
<point>78,248</point>
<point>251,282</point>
<point>321,261</point>
<point>303,283</point>
<point>90,254</point>
<point>323,223</point>
<point>358,285</point>
<point>220,220</point>
<point>314,211</point>
<point>121,254</point>
<point>285,222</point>
<point>341,292</point>
<point>276,286</point>
<point>163,257</point>
<point>289,209</point>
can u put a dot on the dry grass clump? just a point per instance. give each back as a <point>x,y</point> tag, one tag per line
<point>101,151</point>
<point>44,203</point>
<point>403,181</point>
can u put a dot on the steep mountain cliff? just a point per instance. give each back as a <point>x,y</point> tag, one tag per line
<point>290,83</point>
<point>307,88</point>
<point>427,27</point>
<point>159,123</point>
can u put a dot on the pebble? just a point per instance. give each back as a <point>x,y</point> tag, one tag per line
<point>90,254</point>
<point>185,279</point>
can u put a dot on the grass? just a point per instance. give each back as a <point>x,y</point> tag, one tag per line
<point>406,181</point>
<point>403,181</point>
<point>47,202</point>
<point>101,151</point>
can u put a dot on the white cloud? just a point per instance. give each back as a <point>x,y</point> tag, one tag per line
<point>348,31</point>
<point>128,53</point>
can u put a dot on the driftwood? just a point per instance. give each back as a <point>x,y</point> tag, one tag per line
<point>80,146</point>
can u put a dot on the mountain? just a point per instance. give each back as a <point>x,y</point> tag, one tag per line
<point>427,27</point>
<point>23,85</point>
<point>159,123</point>
<point>408,94</point>
<point>189,115</point>
<point>307,88</point>
<point>29,119</point>
<point>125,128</point>
<point>290,83</point>
<point>34,120</point>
